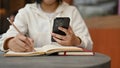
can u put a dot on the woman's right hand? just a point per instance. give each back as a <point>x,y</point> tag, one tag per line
<point>20,43</point>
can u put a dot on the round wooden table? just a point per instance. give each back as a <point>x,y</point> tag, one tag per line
<point>97,61</point>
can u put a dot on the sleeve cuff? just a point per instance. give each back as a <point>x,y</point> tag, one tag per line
<point>81,45</point>
<point>3,44</point>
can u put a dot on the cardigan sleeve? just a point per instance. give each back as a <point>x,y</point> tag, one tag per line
<point>20,23</point>
<point>80,29</point>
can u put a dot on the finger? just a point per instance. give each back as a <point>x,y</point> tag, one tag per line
<point>58,40</point>
<point>27,49</point>
<point>70,30</point>
<point>27,41</point>
<point>24,39</point>
<point>58,36</point>
<point>64,30</point>
<point>18,48</point>
<point>22,44</point>
<point>32,43</point>
<point>29,44</point>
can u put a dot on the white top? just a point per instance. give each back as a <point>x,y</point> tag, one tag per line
<point>50,15</point>
<point>38,25</point>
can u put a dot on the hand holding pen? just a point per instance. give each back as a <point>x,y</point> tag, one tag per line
<point>20,43</point>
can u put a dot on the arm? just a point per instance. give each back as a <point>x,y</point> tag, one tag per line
<point>80,29</point>
<point>76,35</point>
<point>11,37</point>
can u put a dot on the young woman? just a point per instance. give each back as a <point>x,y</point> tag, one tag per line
<point>36,20</point>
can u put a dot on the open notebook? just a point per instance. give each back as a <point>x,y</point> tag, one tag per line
<point>50,49</point>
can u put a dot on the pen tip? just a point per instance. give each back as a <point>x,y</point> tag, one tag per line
<point>8,19</point>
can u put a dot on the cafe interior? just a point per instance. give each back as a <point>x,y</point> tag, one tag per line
<point>101,17</point>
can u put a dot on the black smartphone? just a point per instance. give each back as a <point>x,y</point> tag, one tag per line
<point>60,22</point>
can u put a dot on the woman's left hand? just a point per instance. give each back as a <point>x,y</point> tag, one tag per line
<point>69,39</point>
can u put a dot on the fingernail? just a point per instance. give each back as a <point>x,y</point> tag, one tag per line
<point>59,27</point>
<point>53,33</point>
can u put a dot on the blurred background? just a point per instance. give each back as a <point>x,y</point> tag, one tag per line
<point>101,17</point>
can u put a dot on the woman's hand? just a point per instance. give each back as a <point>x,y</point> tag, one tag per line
<point>20,43</point>
<point>69,39</point>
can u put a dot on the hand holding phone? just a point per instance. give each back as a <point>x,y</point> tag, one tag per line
<point>60,22</point>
